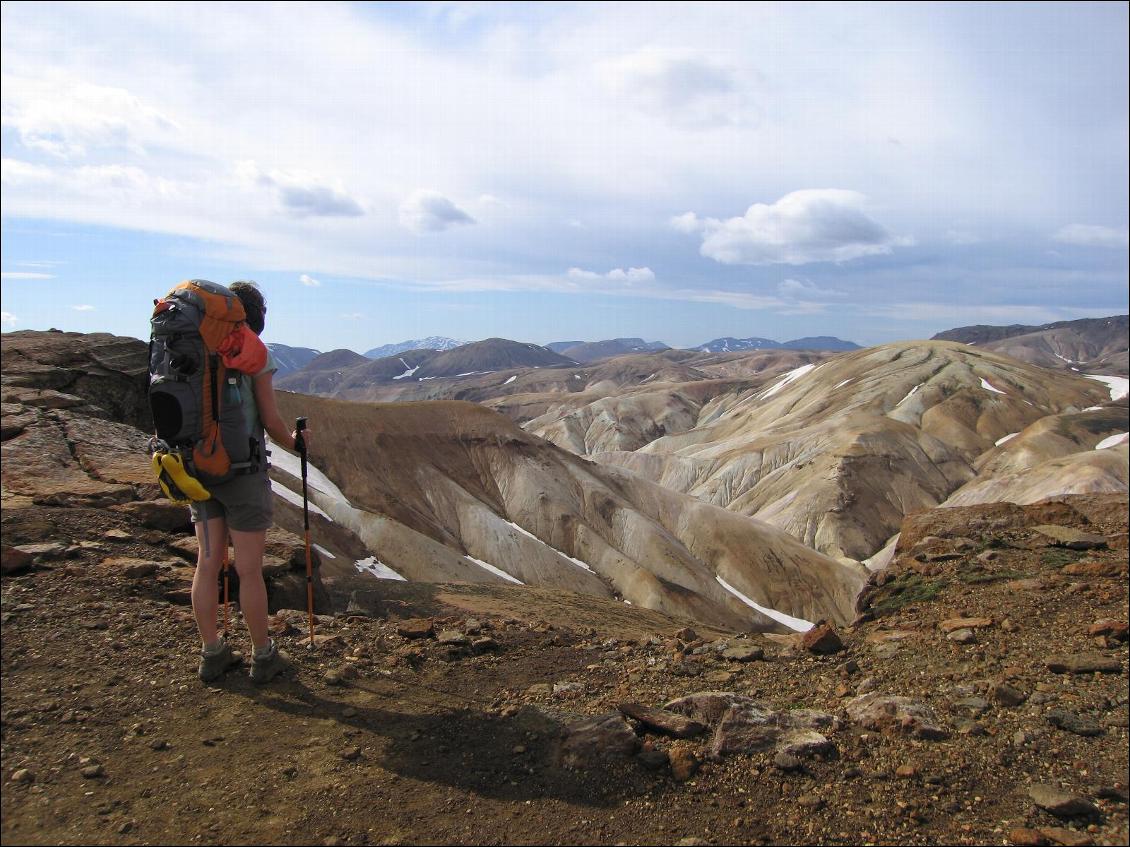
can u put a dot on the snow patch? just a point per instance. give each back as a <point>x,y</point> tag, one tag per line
<point>842,384</point>
<point>1119,385</point>
<point>576,562</point>
<point>799,624</point>
<point>909,394</point>
<point>292,465</point>
<point>408,372</point>
<point>1113,441</point>
<point>511,379</point>
<point>296,499</point>
<point>1008,437</point>
<point>377,568</point>
<point>989,387</point>
<point>494,570</point>
<point>791,376</point>
<point>323,551</point>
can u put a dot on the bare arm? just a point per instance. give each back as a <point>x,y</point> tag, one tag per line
<point>269,411</point>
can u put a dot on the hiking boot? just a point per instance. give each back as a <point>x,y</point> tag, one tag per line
<point>267,666</point>
<point>214,662</point>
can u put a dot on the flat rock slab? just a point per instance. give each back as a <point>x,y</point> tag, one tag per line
<point>1094,569</point>
<point>591,741</point>
<point>883,711</point>
<point>707,707</point>
<point>805,743</point>
<point>1073,539</point>
<point>743,653</point>
<point>745,728</point>
<point>1110,628</point>
<point>661,720</point>
<point>1061,803</point>
<point>1071,722</point>
<point>415,628</point>
<point>1083,663</point>
<point>964,623</point>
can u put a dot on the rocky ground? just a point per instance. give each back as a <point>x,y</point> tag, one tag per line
<point>980,698</point>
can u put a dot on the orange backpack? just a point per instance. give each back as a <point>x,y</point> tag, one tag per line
<point>201,432</point>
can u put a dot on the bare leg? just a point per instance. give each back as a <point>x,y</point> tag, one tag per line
<point>205,597</point>
<point>252,590</point>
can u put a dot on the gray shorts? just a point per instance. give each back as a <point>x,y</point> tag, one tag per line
<point>245,501</point>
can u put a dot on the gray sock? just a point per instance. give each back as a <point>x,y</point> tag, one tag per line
<point>215,647</point>
<point>264,652</point>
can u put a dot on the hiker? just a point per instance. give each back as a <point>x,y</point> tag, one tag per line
<point>243,507</point>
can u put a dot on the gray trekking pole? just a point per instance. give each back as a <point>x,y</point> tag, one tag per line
<point>300,443</point>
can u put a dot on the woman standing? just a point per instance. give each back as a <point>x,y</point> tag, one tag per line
<point>243,508</point>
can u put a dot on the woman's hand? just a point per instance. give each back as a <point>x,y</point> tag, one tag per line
<point>301,437</point>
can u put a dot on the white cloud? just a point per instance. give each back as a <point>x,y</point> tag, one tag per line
<point>961,314</point>
<point>429,211</point>
<point>25,275</point>
<point>1089,235</point>
<point>83,308</point>
<point>686,89</point>
<point>687,222</point>
<point>799,289</point>
<point>353,316</point>
<point>308,280</point>
<point>8,319</point>
<point>65,117</point>
<point>811,225</point>
<point>631,275</point>
<point>113,183</point>
<point>301,193</point>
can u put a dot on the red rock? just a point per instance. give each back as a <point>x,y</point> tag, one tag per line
<point>1094,569</point>
<point>964,623</point>
<point>1063,835</point>
<point>13,560</point>
<point>670,723</point>
<point>684,763</point>
<point>1027,837</point>
<point>415,628</point>
<point>1111,628</point>
<point>822,639</point>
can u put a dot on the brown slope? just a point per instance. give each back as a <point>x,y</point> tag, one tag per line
<point>429,484</point>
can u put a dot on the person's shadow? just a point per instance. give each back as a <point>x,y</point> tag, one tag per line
<point>510,759</point>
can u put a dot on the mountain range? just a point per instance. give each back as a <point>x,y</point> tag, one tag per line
<point>291,359</point>
<point>1089,345</point>
<point>432,342</point>
<point>821,342</point>
<point>591,351</point>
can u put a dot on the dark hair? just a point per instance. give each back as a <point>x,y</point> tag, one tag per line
<point>253,303</point>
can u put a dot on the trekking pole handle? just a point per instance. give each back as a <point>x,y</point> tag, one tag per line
<point>300,427</point>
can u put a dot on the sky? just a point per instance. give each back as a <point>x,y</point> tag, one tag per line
<point>557,171</point>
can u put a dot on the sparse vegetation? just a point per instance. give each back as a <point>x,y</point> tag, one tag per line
<point>976,576</point>
<point>1057,557</point>
<point>908,588</point>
